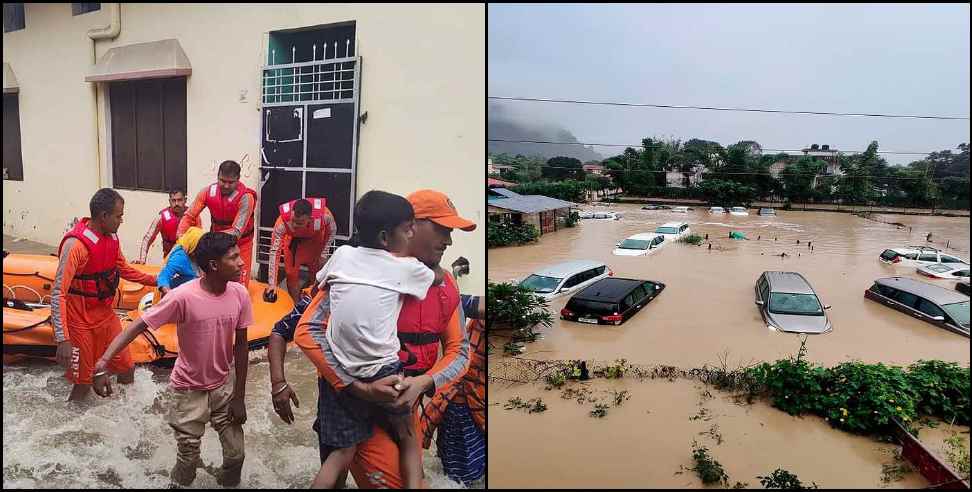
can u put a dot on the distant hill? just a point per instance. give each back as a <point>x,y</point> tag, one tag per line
<point>509,129</point>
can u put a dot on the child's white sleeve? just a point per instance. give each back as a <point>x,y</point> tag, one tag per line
<point>335,259</point>
<point>418,278</point>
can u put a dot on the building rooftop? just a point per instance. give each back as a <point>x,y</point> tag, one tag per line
<point>525,204</point>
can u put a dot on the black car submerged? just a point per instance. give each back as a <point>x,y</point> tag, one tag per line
<point>611,301</point>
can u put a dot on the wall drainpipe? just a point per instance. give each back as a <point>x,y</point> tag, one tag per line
<point>107,32</point>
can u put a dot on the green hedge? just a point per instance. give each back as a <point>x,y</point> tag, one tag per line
<point>500,233</point>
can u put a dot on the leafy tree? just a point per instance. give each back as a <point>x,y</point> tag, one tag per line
<point>572,191</point>
<point>798,178</point>
<point>724,192</point>
<point>559,168</point>
<point>861,173</point>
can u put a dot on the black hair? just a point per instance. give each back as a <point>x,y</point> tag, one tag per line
<point>229,169</point>
<point>104,201</point>
<point>212,246</point>
<point>177,190</point>
<point>378,211</point>
<point>302,207</point>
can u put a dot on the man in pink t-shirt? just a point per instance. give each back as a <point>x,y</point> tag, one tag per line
<point>211,316</point>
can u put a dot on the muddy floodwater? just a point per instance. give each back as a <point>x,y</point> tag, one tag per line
<point>123,441</point>
<point>707,313</point>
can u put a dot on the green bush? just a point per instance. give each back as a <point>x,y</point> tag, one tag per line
<point>782,479</point>
<point>864,398</point>
<point>501,233</point>
<point>942,389</point>
<point>693,239</point>
<point>571,219</point>
<point>706,467</point>
<point>571,191</point>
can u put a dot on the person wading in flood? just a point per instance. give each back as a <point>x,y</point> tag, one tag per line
<point>90,262</point>
<point>433,324</point>
<point>211,315</point>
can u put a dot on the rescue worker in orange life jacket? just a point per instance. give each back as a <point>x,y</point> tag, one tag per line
<point>165,223</point>
<point>305,232</point>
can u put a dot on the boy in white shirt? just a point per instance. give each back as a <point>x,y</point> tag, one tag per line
<point>366,288</point>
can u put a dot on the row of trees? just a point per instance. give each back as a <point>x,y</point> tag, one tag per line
<point>740,173</point>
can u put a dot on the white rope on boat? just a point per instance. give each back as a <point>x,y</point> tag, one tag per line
<point>13,292</point>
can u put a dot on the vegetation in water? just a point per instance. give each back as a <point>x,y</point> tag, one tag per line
<point>896,470</point>
<point>503,233</point>
<point>693,239</point>
<point>613,371</point>
<point>706,467</point>
<point>510,307</point>
<point>534,405</point>
<point>600,410</point>
<point>957,454</point>
<point>782,479</point>
<point>865,398</point>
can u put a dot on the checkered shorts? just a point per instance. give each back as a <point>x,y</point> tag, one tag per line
<point>343,420</point>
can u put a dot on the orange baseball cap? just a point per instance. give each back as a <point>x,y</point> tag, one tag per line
<point>435,206</point>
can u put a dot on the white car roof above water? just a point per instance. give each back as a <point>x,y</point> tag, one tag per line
<point>645,236</point>
<point>561,270</point>
<point>673,224</point>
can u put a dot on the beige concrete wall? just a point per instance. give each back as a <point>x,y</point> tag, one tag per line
<point>423,72</point>
<point>533,219</point>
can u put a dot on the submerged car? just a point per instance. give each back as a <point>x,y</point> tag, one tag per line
<point>738,211</point>
<point>640,244</point>
<point>681,210</point>
<point>767,212</point>
<point>788,303</point>
<point>607,215</point>
<point>945,271</point>
<point>564,278</point>
<point>611,301</point>
<point>963,287</point>
<point>939,306</point>
<point>717,210</point>
<point>673,230</point>
<point>917,256</point>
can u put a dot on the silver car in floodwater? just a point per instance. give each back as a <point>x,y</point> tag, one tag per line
<point>565,278</point>
<point>788,303</point>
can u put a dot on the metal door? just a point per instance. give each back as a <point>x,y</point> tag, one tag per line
<point>309,132</point>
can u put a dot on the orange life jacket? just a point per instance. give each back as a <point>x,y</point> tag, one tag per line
<point>100,276</point>
<point>223,209</point>
<point>316,224</point>
<point>421,323</point>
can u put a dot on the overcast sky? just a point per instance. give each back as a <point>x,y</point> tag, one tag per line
<point>889,59</point>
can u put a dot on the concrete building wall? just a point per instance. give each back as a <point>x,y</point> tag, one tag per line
<point>423,80</point>
<point>533,219</point>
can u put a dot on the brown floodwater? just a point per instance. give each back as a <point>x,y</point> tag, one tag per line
<point>707,307</point>
<point>123,441</point>
<point>705,313</point>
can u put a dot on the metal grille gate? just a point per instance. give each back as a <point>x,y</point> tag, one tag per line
<point>309,128</point>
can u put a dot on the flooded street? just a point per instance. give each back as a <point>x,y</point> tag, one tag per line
<point>123,441</point>
<point>707,307</point>
<point>705,313</point>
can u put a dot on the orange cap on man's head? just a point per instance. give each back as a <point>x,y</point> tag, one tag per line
<point>435,206</point>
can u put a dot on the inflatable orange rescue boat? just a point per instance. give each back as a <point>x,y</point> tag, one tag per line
<point>27,328</point>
